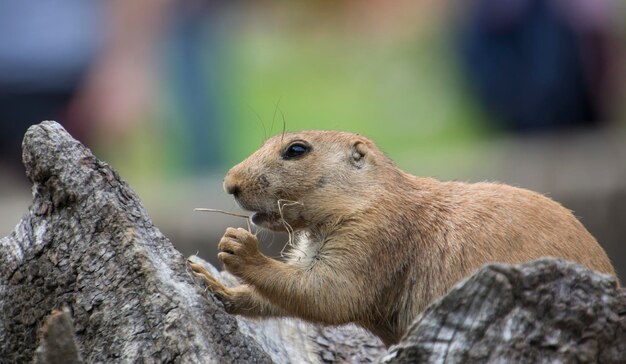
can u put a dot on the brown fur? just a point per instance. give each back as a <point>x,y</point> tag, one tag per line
<point>375,245</point>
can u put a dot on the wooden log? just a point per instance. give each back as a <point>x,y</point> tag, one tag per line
<point>546,311</point>
<point>88,244</point>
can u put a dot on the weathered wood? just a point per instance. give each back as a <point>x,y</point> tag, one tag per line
<point>547,311</point>
<point>87,243</point>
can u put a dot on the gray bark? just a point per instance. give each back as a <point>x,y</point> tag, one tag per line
<point>87,243</point>
<point>547,311</point>
<point>86,277</point>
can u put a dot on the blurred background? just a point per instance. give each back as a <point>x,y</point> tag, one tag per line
<point>173,93</point>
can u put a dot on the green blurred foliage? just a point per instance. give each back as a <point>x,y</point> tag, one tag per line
<point>406,95</point>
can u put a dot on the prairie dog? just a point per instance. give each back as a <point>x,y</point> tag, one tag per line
<point>375,245</point>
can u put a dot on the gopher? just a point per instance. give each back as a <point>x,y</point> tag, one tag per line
<point>372,244</point>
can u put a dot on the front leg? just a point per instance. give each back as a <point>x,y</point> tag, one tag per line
<point>331,290</point>
<point>240,300</point>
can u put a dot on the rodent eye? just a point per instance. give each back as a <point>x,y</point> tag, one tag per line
<point>296,150</point>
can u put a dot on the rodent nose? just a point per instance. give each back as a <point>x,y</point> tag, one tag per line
<point>231,187</point>
<point>232,190</point>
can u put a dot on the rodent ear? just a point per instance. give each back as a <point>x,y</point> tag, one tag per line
<point>357,154</point>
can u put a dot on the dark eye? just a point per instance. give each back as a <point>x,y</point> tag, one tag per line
<point>296,150</point>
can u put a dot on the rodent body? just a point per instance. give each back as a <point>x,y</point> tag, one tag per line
<point>375,245</point>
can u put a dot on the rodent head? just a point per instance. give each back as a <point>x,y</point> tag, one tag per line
<point>307,177</point>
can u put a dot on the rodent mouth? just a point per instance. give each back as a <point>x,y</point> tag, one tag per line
<point>265,217</point>
<point>259,217</point>
<point>268,220</point>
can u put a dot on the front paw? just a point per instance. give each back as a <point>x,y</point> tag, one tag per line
<point>223,293</point>
<point>239,251</point>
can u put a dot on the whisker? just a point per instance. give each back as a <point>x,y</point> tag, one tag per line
<point>284,125</point>
<point>275,110</point>
<point>261,121</point>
